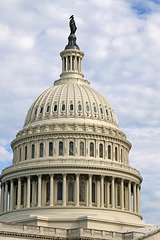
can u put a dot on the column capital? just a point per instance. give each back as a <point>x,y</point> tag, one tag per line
<point>51,174</point>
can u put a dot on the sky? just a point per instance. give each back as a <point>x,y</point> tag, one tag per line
<point>121,42</point>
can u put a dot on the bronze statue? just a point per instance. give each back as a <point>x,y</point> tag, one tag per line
<point>72,37</point>
<point>72,25</point>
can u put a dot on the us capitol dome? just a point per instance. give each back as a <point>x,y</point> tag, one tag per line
<point>71,160</point>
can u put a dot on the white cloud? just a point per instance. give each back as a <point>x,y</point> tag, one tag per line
<point>5,156</point>
<point>121,61</point>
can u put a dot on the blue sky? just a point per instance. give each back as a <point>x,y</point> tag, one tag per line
<point>120,39</point>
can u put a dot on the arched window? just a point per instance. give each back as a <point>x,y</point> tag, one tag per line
<point>63,107</point>
<point>79,107</point>
<point>110,194</point>
<point>60,148</point>
<point>81,148</point>
<point>55,107</point>
<point>101,110</point>
<point>109,152</point>
<point>91,149</point>
<point>101,150</point>
<point>82,191</point>
<point>87,108</point>
<point>95,109</point>
<point>33,151</point>
<point>59,191</point>
<point>20,154</point>
<point>41,150</point>
<point>93,192</point>
<point>71,107</point>
<point>48,109</point>
<point>35,113</point>
<point>107,112</point>
<point>41,111</point>
<point>70,191</point>
<point>25,152</point>
<point>22,194</point>
<point>71,146</point>
<point>118,196</point>
<point>50,149</point>
<point>47,191</point>
<point>115,153</point>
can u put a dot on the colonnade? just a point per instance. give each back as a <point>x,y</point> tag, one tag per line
<point>70,190</point>
<point>72,62</point>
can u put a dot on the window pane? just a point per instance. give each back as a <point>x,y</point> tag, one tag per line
<point>101,110</point>
<point>106,112</point>
<point>79,107</point>
<point>59,191</point>
<point>82,191</point>
<point>70,191</point>
<point>71,148</point>
<point>35,112</point>
<point>48,108</point>
<point>71,107</point>
<point>25,152</point>
<point>87,108</point>
<point>60,148</point>
<point>63,107</point>
<point>50,149</point>
<point>101,150</point>
<point>41,110</point>
<point>115,153</point>
<point>55,108</point>
<point>33,151</point>
<point>95,109</point>
<point>47,191</point>
<point>109,152</point>
<point>41,150</point>
<point>81,148</point>
<point>91,149</point>
<point>93,192</point>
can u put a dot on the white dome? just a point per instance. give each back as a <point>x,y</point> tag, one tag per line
<point>71,100</point>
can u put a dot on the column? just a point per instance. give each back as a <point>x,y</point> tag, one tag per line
<point>28,191</point>
<point>39,190</point>
<point>98,193</point>
<point>19,194</point>
<point>6,197</point>
<point>113,192</point>
<point>51,189</point>
<point>77,190</point>
<point>2,197</point>
<point>64,189</point>
<point>107,194</point>
<point>11,195</point>
<point>122,194</point>
<point>134,198</point>
<point>90,191</point>
<point>129,197</point>
<point>102,191</point>
<point>138,200</point>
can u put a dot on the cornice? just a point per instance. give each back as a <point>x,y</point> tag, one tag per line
<point>128,171</point>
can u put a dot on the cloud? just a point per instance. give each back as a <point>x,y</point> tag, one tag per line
<point>121,43</point>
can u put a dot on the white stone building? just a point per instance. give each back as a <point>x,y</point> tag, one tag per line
<point>70,177</point>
